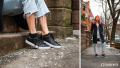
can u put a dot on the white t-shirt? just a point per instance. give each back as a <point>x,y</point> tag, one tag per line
<point>98,35</point>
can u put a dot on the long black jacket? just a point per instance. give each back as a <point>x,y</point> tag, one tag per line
<point>1,6</point>
<point>18,18</point>
<point>94,32</point>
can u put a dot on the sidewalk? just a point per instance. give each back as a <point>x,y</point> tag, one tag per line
<point>88,59</point>
<point>65,57</point>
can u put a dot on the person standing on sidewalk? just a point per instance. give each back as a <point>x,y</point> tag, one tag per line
<point>97,33</point>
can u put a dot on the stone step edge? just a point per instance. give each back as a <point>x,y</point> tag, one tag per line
<point>20,34</point>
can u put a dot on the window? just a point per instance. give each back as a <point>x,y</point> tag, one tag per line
<point>83,7</point>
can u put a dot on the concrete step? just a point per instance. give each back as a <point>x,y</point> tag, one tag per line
<point>10,42</point>
<point>65,57</point>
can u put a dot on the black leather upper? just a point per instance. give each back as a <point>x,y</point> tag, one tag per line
<point>49,38</point>
<point>37,41</point>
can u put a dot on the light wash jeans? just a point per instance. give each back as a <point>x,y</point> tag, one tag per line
<point>35,6</point>
<point>103,46</point>
<point>14,7</point>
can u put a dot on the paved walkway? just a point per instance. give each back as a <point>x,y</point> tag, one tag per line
<point>88,59</point>
<point>65,57</point>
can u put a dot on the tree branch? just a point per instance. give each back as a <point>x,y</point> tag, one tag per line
<point>108,18</point>
<point>117,15</point>
<point>117,4</point>
<point>111,12</point>
<point>110,23</point>
<point>113,8</point>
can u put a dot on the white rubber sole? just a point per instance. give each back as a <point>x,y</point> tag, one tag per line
<point>96,57</point>
<point>36,45</point>
<point>52,45</point>
<point>103,57</point>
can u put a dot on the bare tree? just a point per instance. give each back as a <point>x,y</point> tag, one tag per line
<point>107,17</point>
<point>115,15</point>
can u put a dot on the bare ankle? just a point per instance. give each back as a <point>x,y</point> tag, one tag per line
<point>32,32</point>
<point>43,33</point>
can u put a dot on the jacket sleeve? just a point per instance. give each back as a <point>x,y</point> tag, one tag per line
<point>102,27</point>
<point>1,6</point>
<point>92,28</point>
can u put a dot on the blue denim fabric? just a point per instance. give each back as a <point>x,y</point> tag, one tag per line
<point>15,7</point>
<point>103,46</point>
<point>12,7</point>
<point>35,6</point>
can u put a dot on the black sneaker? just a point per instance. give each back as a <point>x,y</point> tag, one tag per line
<point>103,55</point>
<point>37,43</point>
<point>96,55</point>
<point>49,40</point>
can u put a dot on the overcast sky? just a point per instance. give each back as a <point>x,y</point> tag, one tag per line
<point>95,8</point>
